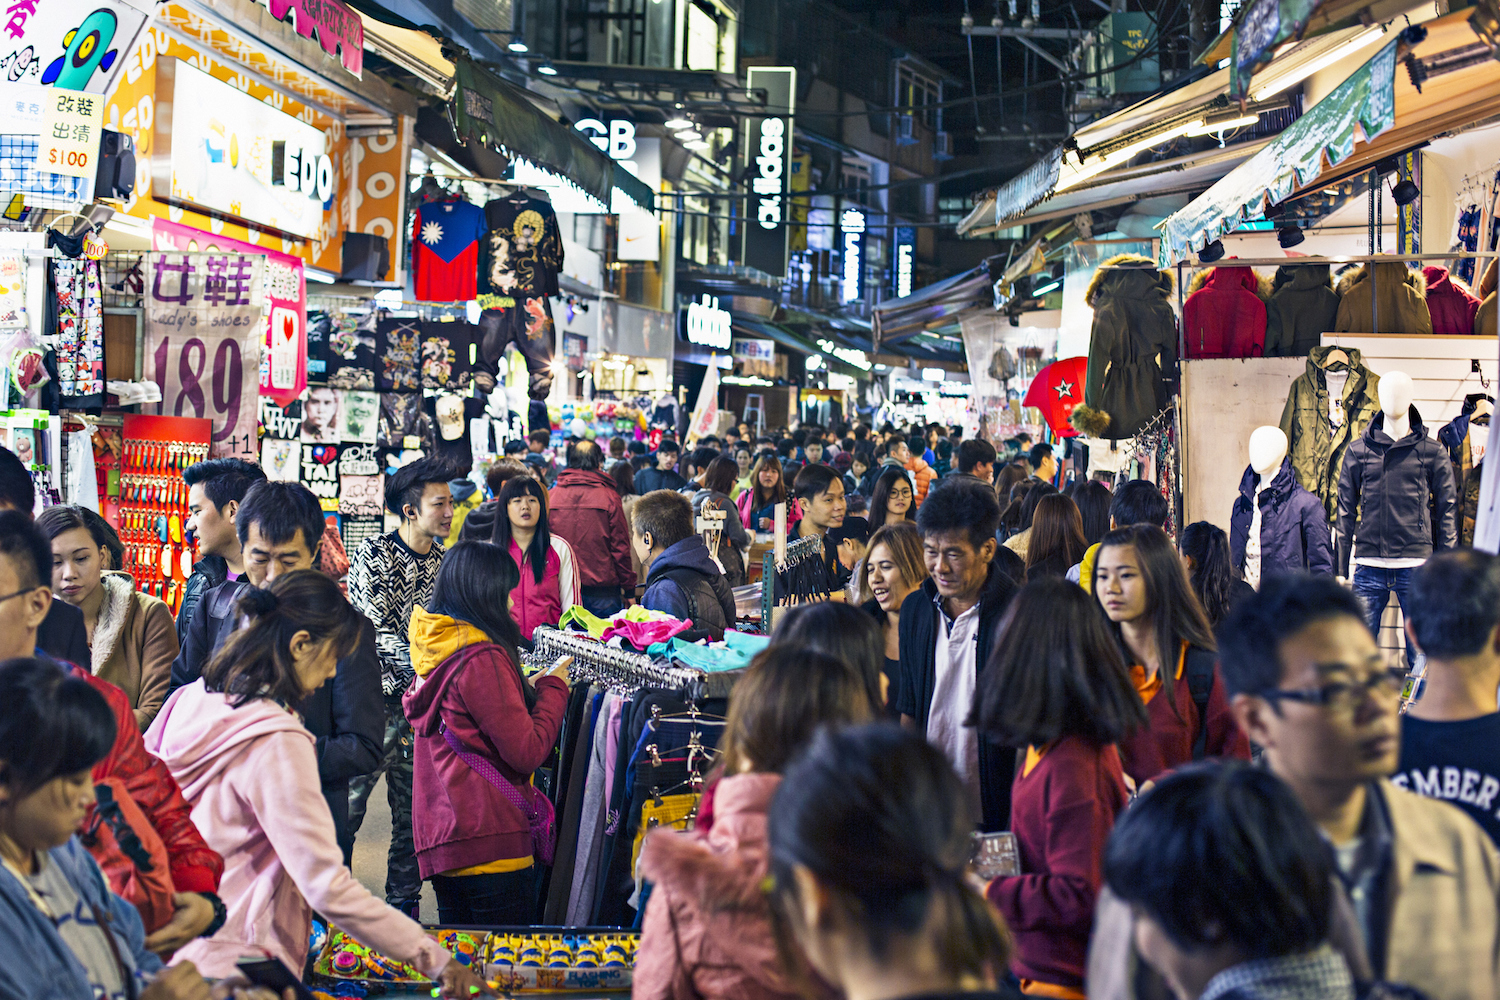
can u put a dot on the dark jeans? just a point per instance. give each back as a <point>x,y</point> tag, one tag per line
<point>504,898</point>
<point>1373,585</point>
<point>403,884</point>
<point>602,601</point>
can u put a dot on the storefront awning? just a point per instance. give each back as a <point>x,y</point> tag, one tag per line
<point>488,110</point>
<point>897,320</point>
<point>1012,203</point>
<point>1374,114</point>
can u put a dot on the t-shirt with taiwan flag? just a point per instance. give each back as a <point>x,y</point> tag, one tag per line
<point>445,250</point>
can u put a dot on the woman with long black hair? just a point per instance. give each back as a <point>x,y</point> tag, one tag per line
<point>768,487</point>
<point>1205,556</point>
<point>1166,639</point>
<point>549,573</point>
<point>477,721</point>
<point>893,500</point>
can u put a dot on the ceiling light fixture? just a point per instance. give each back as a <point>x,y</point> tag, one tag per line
<point>692,135</point>
<point>1210,126</point>
<point>1289,236</point>
<point>678,122</point>
<point>696,144</point>
<point>547,69</point>
<point>1072,175</point>
<point>1297,74</point>
<point>1211,252</point>
<point>518,46</point>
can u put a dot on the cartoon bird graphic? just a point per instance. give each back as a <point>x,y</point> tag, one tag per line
<point>85,49</point>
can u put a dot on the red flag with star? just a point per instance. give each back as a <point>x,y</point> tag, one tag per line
<point>1056,390</point>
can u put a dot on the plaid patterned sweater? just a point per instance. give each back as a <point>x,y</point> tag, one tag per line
<point>386,580</point>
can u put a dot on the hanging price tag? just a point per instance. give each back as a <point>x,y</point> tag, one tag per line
<point>71,124</point>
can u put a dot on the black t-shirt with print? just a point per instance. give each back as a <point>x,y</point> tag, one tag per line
<point>1458,762</point>
<point>521,254</point>
<point>399,348</point>
<point>445,349</point>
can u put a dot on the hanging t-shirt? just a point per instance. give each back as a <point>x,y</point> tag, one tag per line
<point>319,327</point>
<point>1336,380</point>
<point>1458,762</point>
<point>446,348</point>
<point>445,251</point>
<point>397,345</point>
<point>351,351</point>
<point>402,418</point>
<point>522,253</point>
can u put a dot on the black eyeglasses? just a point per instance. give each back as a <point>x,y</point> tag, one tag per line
<point>1343,697</point>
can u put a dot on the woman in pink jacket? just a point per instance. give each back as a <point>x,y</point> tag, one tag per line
<point>247,767</point>
<point>707,930</point>
<point>549,573</point>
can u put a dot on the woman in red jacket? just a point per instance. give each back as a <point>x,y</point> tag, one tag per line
<point>1057,686</point>
<point>549,573</point>
<point>1164,635</point>
<point>470,697</point>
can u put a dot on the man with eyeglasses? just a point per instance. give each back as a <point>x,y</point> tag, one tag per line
<point>1309,685</point>
<point>61,633</point>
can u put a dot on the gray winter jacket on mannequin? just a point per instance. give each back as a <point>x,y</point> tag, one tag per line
<point>1401,493</point>
<point>1293,526</point>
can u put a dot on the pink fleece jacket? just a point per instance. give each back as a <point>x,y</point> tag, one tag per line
<point>251,777</point>
<point>707,930</point>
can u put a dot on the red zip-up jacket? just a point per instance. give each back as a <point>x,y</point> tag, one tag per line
<point>196,867</point>
<point>1061,812</point>
<point>584,508</point>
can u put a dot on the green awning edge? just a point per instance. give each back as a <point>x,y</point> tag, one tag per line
<point>495,113</point>
<point>632,187</point>
<point>1365,102</point>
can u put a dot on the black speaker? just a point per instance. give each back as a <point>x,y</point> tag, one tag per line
<point>115,177</point>
<point>365,257</point>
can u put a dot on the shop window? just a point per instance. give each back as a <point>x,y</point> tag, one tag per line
<point>915,89</point>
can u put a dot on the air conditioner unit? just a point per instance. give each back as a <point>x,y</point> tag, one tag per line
<point>906,130</point>
<point>942,149</point>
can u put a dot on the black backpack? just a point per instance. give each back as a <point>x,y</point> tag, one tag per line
<point>1199,669</point>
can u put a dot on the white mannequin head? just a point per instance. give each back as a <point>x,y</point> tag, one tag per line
<point>1396,392</point>
<point>1267,449</point>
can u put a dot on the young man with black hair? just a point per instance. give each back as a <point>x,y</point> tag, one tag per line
<point>279,527</point>
<point>664,476</point>
<point>1450,736</point>
<point>697,465</point>
<point>1043,463</point>
<point>389,575</point>
<point>947,628</point>
<point>819,490</point>
<point>62,633</point>
<point>585,509</point>
<point>215,488</point>
<point>25,574</point>
<point>900,452</point>
<point>1137,501</point>
<point>1309,685</point>
<point>682,579</point>
<point>976,458</point>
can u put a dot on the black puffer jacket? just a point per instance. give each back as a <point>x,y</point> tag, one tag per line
<point>1303,307</point>
<point>1402,493</point>
<point>1133,349</point>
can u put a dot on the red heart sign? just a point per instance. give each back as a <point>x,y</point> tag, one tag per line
<point>323,454</point>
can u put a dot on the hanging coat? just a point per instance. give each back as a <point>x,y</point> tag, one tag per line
<point>1467,474</point>
<point>1293,526</point>
<point>1399,296</point>
<point>1303,307</point>
<point>1449,302</point>
<point>1402,493</point>
<point>1315,446</point>
<point>1224,316</point>
<point>1133,346</point>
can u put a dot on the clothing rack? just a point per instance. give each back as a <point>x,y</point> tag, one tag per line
<point>618,670</point>
<point>797,552</point>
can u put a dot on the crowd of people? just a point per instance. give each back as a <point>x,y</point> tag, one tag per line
<point>1004,654</point>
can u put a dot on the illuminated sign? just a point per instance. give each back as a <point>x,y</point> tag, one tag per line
<point>707,324</point>
<point>848,355</point>
<point>905,259</point>
<point>767,158</point>
<point>617,139</point>
<point>852,222</point>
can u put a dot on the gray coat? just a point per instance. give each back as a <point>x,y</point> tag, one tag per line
<point>1303,307</point>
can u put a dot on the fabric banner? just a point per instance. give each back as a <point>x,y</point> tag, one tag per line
<point>1263,26</point>
<point>1359,109</point>
<point>203,320</point>
<point>283,363</point>
<point>706,411</point>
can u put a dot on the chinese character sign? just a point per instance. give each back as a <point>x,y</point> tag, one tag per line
<point>71,122</point>
<point>204,323</point>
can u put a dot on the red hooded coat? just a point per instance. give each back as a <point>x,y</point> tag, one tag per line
<point>1226,317</point>
<point>1449,301</point>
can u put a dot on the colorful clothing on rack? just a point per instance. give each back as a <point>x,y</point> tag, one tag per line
<point>734,653</point>
<point>644,634</point>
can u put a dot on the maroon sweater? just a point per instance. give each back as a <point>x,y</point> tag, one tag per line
<point>1061,813</point>
<point>1168,743</point>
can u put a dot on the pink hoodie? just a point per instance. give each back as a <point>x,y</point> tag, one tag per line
<point>251,777</point>
<point>707,929</point>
